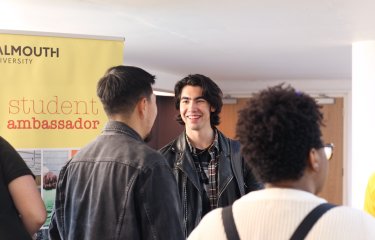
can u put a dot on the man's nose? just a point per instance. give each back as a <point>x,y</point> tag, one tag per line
<point>192,105</point>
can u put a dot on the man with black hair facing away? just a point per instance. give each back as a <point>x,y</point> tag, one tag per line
<point>208,166</point>
<point>281,140</point>
<point>117,187</point>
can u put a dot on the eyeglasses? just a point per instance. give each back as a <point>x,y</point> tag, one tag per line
<point>328,150</point>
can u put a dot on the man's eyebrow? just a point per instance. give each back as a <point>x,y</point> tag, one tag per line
<point>188,98</point>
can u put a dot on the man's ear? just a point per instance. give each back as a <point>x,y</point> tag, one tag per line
<point>212,109</point>
<point>141,107</point>
<point>313,160</point>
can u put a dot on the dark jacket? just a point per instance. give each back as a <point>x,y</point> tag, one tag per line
<point>234,180</point>
<point>116,188</point>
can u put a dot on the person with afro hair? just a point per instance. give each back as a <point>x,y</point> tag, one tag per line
<point>280,134</point>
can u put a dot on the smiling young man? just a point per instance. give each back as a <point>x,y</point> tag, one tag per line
<point>208,166</point>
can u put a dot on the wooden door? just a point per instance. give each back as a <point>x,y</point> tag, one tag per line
<point>165,128</point>
<point>332,133</point>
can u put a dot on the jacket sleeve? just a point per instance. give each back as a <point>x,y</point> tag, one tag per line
<point>168,153</point>
<point>160,211</point>
<point>53,232</point>
<point>251,184</point>
<point>249,181</point>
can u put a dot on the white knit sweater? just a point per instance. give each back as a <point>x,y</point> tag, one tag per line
<point>275,213</point>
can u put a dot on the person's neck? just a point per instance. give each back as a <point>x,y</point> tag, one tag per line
<point>131,121</point>
<point>304,184</point>
<point>201,139</point>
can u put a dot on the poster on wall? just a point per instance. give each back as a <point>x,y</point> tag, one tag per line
<point>48,103</point>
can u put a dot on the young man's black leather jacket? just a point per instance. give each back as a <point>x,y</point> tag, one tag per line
<point>234,179</point>
<point>117,188</point>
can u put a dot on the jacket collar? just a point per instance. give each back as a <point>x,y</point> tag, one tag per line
<point>186,163</point>
<point>115,127</point>
<point>213,147</point>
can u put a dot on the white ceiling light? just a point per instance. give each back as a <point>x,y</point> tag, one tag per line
<point>163,93</point>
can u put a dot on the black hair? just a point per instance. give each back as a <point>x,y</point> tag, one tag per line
<point>210,91</point>
<point>277,129</point>
<point>122,87</point>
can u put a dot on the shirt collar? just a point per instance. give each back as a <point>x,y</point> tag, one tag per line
<point>214,145</point>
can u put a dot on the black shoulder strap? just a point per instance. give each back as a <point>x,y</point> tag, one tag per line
<point>309,221</point>
<point>300,233</point>
<point>229,224</point>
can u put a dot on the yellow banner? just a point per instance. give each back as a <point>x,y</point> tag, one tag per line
<point>48,89</point>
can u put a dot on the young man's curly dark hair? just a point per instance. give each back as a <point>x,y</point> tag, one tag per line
<point>277,129</point>
<point>210,91</point>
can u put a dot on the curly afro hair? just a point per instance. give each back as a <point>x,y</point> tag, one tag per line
<point>277,129</point>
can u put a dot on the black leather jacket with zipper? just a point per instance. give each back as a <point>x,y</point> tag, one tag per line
<point>234,179</point>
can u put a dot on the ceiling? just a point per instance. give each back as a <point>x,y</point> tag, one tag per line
<point>240,44</point>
